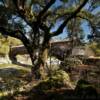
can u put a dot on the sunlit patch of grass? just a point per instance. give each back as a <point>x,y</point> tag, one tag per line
<point>5,65</point>
<point>12,82</point>
<point>23,71</point>
<point>14,66</point>
<point>3,94</point>
<point>10,71</point>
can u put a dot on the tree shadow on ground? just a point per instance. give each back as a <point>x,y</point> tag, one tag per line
<point>83,90</point>
<point>11,77</point>
<point>79,92</point>
<point>8,72</point>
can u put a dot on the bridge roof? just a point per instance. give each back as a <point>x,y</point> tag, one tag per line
<point>60,41</point>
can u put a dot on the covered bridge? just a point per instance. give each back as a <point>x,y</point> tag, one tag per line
<point>59,49</point>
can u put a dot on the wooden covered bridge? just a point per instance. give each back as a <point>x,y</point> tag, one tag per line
<point>58,49</point>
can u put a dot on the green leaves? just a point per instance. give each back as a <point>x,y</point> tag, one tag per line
<point>64,1</point>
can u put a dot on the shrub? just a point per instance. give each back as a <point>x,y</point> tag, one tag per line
<point>70,63</point>
<point>57,79</point>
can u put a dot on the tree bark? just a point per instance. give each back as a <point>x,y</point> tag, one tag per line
<point>38,69</point>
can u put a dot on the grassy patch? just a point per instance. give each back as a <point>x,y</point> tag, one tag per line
<point>11,78</point>
<point>15,66</point>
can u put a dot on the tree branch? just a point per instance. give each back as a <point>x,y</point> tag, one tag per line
<point>90,22</point>
<point>19,35</point>
<point>21,12</point>
<point>60,29</point>
<point>14,34</point>
<point>41,14</point>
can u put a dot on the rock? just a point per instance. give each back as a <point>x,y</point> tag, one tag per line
<point>5,60</point>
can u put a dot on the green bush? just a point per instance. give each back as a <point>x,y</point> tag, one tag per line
<point>95,46</point>
<point>70,63</point>
<point>58,79</point>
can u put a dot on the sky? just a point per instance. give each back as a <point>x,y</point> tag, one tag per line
<point>65,33</point>
<point>85,26</point>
